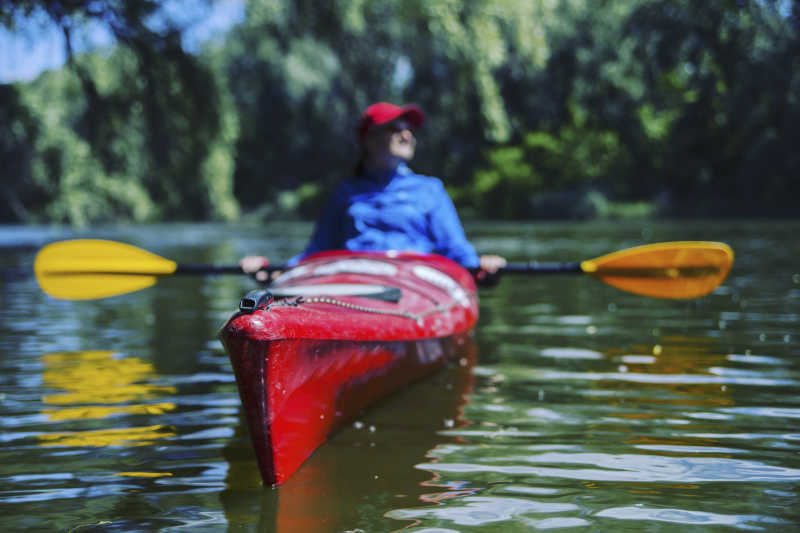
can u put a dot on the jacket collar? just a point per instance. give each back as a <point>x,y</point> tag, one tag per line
<point>387,175</point>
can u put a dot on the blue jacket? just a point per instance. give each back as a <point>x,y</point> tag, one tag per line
<point>399,210</point>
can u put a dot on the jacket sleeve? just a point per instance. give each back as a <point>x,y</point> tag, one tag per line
<point>327,233</point>
<point>447,232</point>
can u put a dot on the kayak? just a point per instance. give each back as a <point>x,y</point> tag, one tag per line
<point>336,333</point>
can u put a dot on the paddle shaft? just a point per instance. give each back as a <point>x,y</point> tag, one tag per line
<point>533,267</point>
<point>202,270</point>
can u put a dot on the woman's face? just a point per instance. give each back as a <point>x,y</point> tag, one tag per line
<point>393,140</point>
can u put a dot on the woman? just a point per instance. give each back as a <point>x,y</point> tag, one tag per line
<point>387,206</point>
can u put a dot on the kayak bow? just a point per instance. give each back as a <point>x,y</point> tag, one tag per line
<point>348,329</point>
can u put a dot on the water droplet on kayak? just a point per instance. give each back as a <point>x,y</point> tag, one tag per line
<point>657,349</point>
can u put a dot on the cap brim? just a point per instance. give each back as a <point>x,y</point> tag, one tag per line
<point>414,115</point>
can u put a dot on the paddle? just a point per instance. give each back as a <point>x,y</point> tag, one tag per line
<point>673,270</point>
<point>87,268</point>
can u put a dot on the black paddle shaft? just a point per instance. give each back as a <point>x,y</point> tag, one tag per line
<point>208,269</point>
<point>485,279</point>
<point>530,267</point>
<point>535,267</point>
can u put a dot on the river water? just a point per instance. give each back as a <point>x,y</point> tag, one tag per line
<point>584,408</point>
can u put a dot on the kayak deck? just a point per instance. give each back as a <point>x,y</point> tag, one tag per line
<point>326,349</point>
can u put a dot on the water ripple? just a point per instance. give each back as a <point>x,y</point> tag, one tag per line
<point>688,518</point>
<point>494,511</point>
<point>667,378</point>
<point>626,468</point>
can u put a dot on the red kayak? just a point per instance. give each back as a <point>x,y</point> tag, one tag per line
<point>334,334</point>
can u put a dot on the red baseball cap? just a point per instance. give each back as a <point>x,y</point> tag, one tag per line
<point>384,112</point>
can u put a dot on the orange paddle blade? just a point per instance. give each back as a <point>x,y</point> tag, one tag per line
<point>83,269</point>
<point>675,270</point>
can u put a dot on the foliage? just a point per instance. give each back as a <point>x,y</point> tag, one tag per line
<point>303,71</point>
<point>140,134</point>
<point>703,94</point>
<point>576,157</point>
<point>18,135</point>
<point>691,102</point>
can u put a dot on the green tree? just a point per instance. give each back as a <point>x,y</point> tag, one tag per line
<point>302,71</point>
<point>17,138</point>
<point>698,97</point>
<point>732,71</point>
<point>139,134</point>
<point>702,94</point>
<point>687,100</point>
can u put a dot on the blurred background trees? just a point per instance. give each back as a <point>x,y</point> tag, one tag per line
<point>537,108</point>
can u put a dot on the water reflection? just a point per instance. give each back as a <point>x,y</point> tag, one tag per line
<point>645,421</point>
<point>97,384</point>
<point>374,457</point>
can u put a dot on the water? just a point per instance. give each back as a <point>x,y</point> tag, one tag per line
<point>588,409</point>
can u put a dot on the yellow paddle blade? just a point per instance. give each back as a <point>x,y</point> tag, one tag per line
<point>677,270</point>
<point>83,269</point>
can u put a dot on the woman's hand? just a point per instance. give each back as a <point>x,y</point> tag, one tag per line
<point>492,263</point>
<point>489,265</point>
<point>252,264</point>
